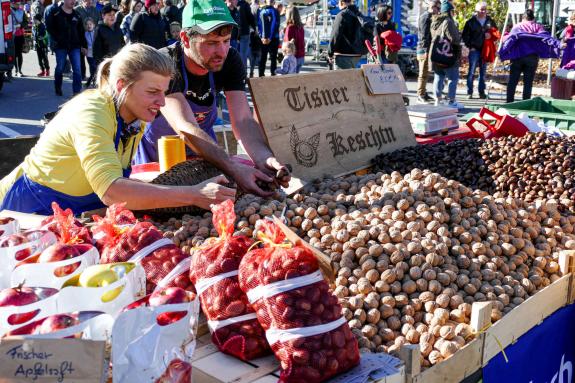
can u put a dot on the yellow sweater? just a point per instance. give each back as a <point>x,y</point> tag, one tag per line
<point>75,154</point>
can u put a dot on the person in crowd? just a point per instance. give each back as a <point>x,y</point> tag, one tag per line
<point>171,13</point>
<point>37,8</point>
<point>149,27</point>
<point>109,38</point>
<point>443,24</point>
<point>175,29</point>
<point>385,24</point>
<point>82,159</point>
<point>205,65</point>
<point>235,12</point>
<point>526,64</point>
<point>255,51</point>
<point>247,22</point>
<point>181,5</point>
<point>570,29</point>
<point>341,49</point>
<point>19,22</point>
<point>289,62</point>
<point>123,11</point>
<point>475,32</point>
<point>47,11</point>
<point>40,37</point>
<point>87,8</point>
<point>294,31</point>
<point>135,8</point>
<point>269,31</point>
<point>89,34</point>
<point>279,6</point>
<point>255,7</point>
<point>423,45</point>
<point>65,27</point>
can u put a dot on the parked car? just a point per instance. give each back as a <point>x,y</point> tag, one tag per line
<point>6,40</point>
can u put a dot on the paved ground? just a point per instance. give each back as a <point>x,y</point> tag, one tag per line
<point>24,101</point>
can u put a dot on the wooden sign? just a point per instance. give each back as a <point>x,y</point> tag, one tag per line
<point>51,360</point>
<point>384,79</point>
<point>327,123</point>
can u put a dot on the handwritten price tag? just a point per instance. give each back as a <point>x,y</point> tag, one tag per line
<point>384,79</point>
<point>51,360</point>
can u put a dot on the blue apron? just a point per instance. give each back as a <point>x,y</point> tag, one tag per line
<point>28,196</point>
<point>206,117</point>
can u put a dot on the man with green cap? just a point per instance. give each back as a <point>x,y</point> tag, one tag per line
<point>205,65</point>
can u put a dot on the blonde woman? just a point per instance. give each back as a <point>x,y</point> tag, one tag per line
<point>82,159</point>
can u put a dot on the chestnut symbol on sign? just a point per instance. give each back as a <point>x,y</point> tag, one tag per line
<point>305,151</point>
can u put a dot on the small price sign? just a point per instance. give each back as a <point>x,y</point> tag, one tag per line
<point>51,360</point>
<point>384,79</point>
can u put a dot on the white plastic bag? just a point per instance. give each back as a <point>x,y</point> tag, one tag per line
<point>76,298</point>
<point>44,274</point>
<point>143,350</point>
<point>41,240</point>
<point>40,309</point>
<point>11,227</point>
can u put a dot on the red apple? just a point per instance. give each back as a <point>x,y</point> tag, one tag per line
<point>60,252</point>
<point>5,220</point>
<point>139,303</point>
<point>15,240</point>
<point>22,296</point>
<point>55,323</point>
<point>169,295</point>
<point>178,371</point>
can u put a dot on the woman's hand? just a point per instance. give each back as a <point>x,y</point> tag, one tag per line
<point>211,192</point>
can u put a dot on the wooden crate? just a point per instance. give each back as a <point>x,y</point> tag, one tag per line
<point>505,332</point>
<point>212,366</point>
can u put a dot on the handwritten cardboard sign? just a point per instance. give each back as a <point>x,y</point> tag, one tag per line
<point>51,360</point>
<point>327,122</point>
<point>384,79</point>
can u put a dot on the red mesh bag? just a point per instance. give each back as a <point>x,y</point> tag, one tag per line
<point>118,216</point>
<point>302,318</point>
<point>67,228</point>
<point>139,242</point>
<point>214,272</point>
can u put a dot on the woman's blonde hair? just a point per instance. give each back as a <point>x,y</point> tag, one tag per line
<point>128,65</point>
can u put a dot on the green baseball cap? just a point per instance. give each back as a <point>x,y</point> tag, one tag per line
<point>206,15</point>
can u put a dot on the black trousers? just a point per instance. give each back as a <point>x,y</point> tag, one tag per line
<point>83,65</point>
<point>272,50</point>
<point>526,65</point>
<point>42,53</point>
<point>18,48</point>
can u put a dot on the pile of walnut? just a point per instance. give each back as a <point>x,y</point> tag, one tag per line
<point>412,253</point>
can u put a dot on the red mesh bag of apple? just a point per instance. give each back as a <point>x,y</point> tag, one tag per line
<point>164,324</point>
<point>214,272</point>
<point>302,318</point>
<point>139,242</point>
<point>66,227</point>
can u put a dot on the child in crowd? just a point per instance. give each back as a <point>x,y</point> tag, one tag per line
<point>175,29</point>
<point>289,63</point>
<point>41,40</point>
<point>89,26</point>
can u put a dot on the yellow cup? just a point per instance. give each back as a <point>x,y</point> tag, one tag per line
<point>171,151</point>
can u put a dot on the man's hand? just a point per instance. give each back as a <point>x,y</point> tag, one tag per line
<point>84,51</point>
<point>266,41</point>
<point>272,167</point>
<point>487,35</point>
<point>246,178</point>
<point>212,191</point>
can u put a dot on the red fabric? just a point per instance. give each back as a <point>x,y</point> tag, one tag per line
<point>297,34</point>
<point>225,300</point>
<point>489,50</point>
<point>309,359</point>
<point>393,40</point>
